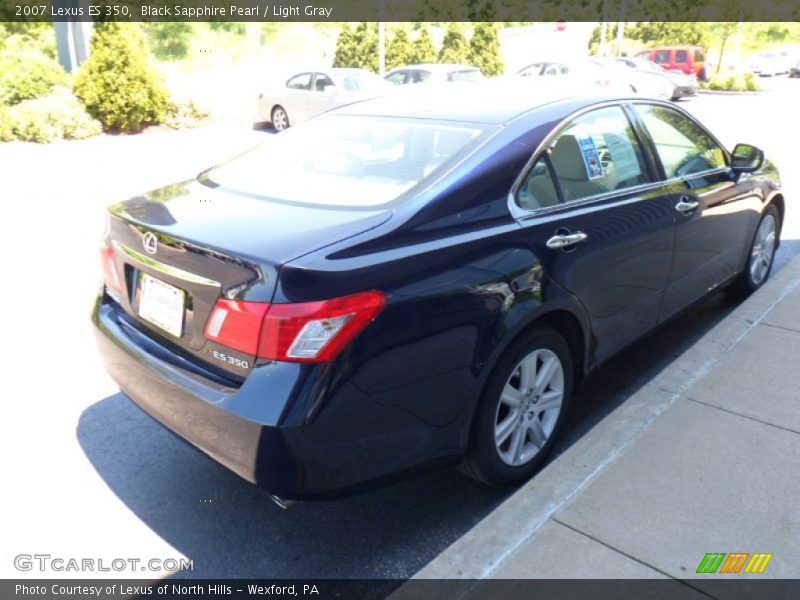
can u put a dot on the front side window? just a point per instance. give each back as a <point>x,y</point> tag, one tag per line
<point>681,56</point>
<point>597,153</point>
<point>349,160</point>
<point>683,146</point>
<point>538,190</point>
<point>698,56</point>
<point>419,75</point>
<point>300,82</point>
<point>397,78</point>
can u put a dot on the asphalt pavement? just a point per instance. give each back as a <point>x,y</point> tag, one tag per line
<point>93,476</point>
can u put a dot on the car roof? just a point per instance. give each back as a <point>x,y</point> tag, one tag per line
<point>492,101</point>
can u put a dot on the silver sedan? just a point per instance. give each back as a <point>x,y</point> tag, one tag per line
<point>312,92</point>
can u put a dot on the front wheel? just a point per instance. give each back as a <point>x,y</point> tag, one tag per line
<point>521,410</point>
<point>761,257</point>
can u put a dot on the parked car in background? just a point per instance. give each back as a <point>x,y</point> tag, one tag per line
<point>651,82</point>
<point>312,92</point>
<point>794,71</point>
<point>688,59</point>
<point>421,280</point>
<point>589,75</point>
<point>770,63</point>
<point>682,84</point>
<point>433,73</point>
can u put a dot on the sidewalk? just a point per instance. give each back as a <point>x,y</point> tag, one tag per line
<point>704,458</point>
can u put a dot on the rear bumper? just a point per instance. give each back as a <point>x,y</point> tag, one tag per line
<point>295,430</point>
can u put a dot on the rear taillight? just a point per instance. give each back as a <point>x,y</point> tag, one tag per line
<point>110,272</point>
<point>300,332</point>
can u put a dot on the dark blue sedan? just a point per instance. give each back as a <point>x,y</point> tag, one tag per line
<point>421,280</point>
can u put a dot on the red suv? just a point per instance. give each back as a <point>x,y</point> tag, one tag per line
<point>689,59</point>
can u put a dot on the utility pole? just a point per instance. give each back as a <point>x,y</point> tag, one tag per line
<point>381,48</point>
<point>620,27</point>
<point>72,37</point>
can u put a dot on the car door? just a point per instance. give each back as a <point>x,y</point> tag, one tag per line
<point>597,221</point>
<point>296,96</point>
<point>714,212</point>
<point>323,95</point>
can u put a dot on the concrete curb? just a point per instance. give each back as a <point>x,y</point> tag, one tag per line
<point>483,548</point>
<point>730,92</point>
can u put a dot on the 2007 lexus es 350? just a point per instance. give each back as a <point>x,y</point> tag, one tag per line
<point>422,280</point>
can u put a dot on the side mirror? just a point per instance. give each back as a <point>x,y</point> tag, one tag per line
<point>746,158</point>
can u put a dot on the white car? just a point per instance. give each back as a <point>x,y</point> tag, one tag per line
<point>312,92</point>
<point>433,73</point>
<point>580,74</point>
<point>681,84</point>
<point>770,63</point>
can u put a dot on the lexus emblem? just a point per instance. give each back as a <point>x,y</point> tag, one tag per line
<point>150,242</point>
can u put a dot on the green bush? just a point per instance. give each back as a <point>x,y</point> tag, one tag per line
<point>28,75</point>
<point>118,84</point>
<point>733,82</point>
<point>484,47</point>
<point>455,48</point>
<point>57,116</point>
<point>423,50</point>
<point>183,114</point>
<point>169,41</point>
<point>398,50</point>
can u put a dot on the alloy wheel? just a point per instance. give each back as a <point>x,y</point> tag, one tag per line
<point>280,120</point>
<point>763,249</point>
<point>529,406</point>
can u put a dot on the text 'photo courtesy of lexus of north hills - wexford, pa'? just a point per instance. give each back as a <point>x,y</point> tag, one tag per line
<point>421,280</point>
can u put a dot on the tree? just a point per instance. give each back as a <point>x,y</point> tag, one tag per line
<point>722,31</point>
<point>484,47</point>
<point>423,51</point>
<point>346,51</point>
<point>365,37</point>
<point>169,40</point>
<point>118,84</point>
<point>455,48</point>
<point>399,50</point>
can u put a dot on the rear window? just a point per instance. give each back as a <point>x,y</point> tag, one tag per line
<point>349,160</point>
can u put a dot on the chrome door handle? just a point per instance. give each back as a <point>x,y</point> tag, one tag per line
<point>562,241</point>
<point>686,204</point>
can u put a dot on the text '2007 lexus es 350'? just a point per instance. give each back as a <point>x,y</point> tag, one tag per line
<point>421,280</point>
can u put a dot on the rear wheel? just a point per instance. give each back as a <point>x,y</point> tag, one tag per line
<point>761,257</point>
<point>522,409</point>
<point>280,120</point>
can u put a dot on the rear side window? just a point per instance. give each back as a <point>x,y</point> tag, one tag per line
<point>597,153</point>
<point>681,56</point>
<point>661,57</point>
<point>682,145</point>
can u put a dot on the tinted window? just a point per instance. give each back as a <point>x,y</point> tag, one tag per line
<point>300,82</point>
<point>597,153</point>
<point>348,160</point>
<point>418,76</point>
<point>683,146</point>
<point>681,56</point>
<point>397,78</point>
<point>322,81</point>
<point>538,190</point>
<point>661,57</point>
<point>530,70</point>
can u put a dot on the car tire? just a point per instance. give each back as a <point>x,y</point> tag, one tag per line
<point>280,120</point>
<point>508,445</point>
<point>760,257</point>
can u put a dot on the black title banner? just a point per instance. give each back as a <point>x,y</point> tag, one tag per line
<point>399,10</point>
